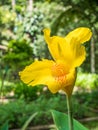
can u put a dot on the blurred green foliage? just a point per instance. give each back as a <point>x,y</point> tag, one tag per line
<point>7,23</point>
<point>27,100</point>
<point>18,54</point>
<point>33,24</point>
<point>87,81</point>
<point>21,33</point>
<point>60,16</point>
<point>18,111</point>
<point>22,91</point>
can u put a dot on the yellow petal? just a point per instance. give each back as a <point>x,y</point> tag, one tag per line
<point>69,49</point>
<point>81,35</point>
<point>70,81</point>
<point>36,71</point>
<point>56,85</point>
<point>49,81</point>
<point>78,53</point>
<point>53,85</point>
<point>57,45</point>
<point>75,39</point>
<point>40,73</point>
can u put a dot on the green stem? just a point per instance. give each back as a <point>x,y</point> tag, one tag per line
<point>70,119</point>
<point>1,89</point>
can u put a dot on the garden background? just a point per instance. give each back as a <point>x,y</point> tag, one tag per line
<point>21,42</point>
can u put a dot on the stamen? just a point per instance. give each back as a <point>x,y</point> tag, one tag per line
<point>59,72</point>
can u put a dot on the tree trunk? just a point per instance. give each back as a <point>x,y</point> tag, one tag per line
<point>30,5</point>
<point>92,56</point>
<point>13,5</point>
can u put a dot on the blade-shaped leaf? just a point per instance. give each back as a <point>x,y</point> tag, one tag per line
<point>28,121</point>
<point>61,121</point>
<point>5,126</point>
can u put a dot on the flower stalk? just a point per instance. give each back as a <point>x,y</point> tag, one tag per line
<point>69,107</point>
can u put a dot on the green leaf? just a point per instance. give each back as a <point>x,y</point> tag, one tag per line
<point>28,121</point>
<point>61,121</point>
<point>5,126</point>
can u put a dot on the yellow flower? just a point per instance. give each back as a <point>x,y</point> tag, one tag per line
<point>60,73</point>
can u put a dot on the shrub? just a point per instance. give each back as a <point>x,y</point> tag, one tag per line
<point>28,93</point>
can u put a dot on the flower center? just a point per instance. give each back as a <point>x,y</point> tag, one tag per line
<point>59,72</point>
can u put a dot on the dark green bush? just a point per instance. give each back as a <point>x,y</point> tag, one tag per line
<point>19,54</point>
<point>28,93</point>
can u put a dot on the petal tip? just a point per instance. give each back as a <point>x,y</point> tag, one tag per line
<point>46,31</point>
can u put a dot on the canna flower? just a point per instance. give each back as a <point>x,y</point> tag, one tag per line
<point>60,73</point>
